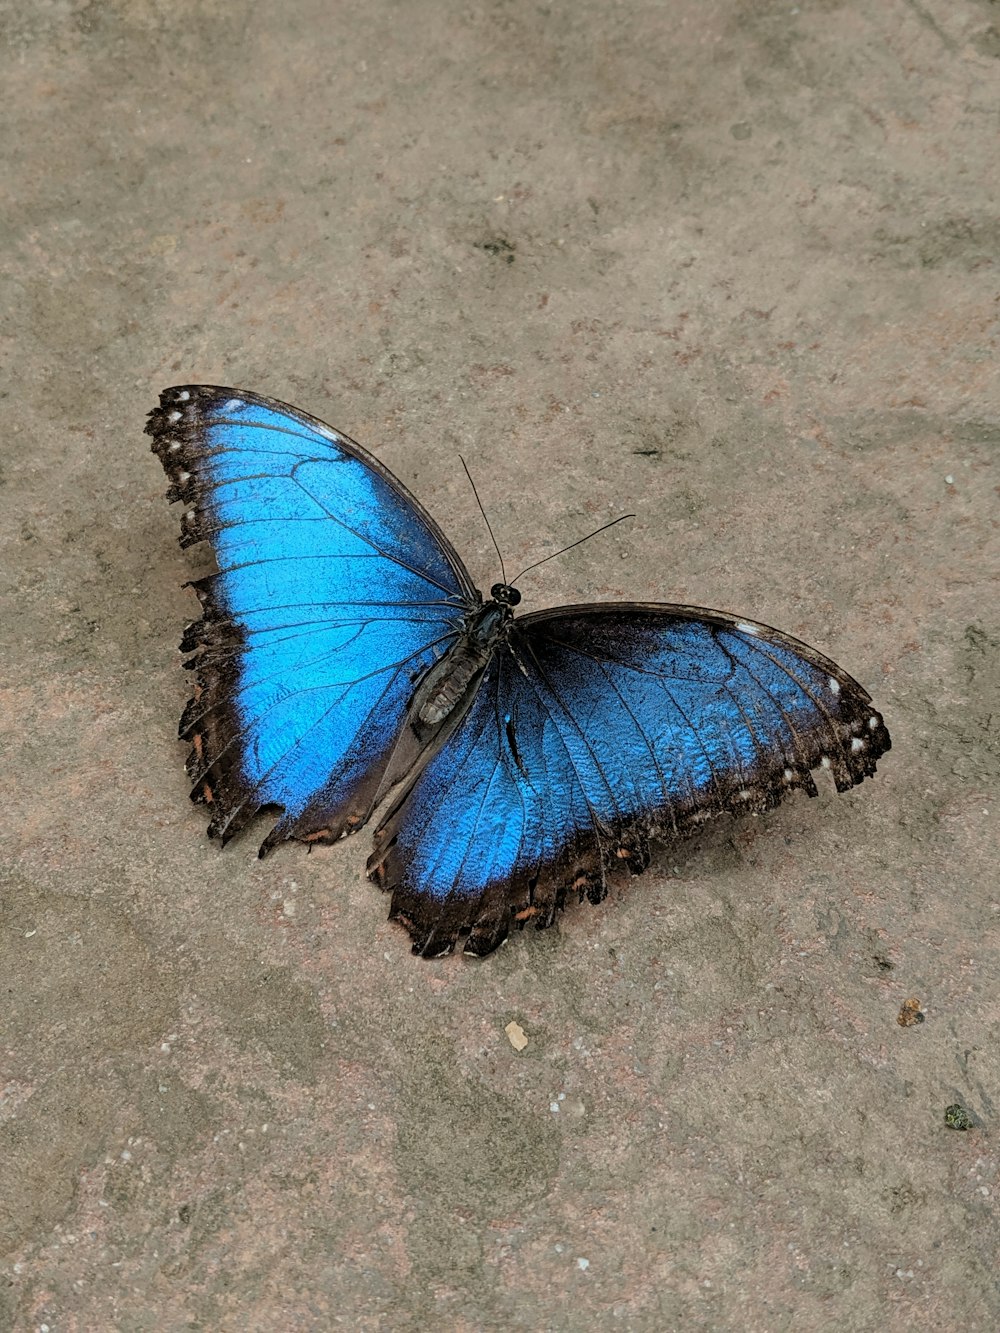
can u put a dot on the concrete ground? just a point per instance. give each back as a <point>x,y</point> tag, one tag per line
<point>732,266</point>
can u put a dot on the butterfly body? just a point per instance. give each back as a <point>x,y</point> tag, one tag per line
<point>448,681</point>
<point>345,659</point>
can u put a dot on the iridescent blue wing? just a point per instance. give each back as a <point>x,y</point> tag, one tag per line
<point>597,728</point>
<point>335,591</point>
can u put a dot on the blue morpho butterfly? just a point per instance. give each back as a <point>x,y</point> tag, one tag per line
<point>344,657</point>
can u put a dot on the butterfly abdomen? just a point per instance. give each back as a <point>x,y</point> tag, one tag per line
<point>450,680</point>
<point>446,684</point>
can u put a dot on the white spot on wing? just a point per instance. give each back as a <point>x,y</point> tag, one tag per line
<point>857,745</point>
<point>174,415</point>
<point>233,405</point>
<point>183,396</point>
<point>873,724</point>
<point>184,476</point>
<point>174,446</point>
<point>745,794</point>
<point>834,685</point>
<point>789,774</point>
<point>189,515</point>
<point>825,761</point>
<point>746,628</point>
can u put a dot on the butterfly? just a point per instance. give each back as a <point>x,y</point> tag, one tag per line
<point>344,660</point>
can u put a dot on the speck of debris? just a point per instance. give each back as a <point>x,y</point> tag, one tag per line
<point>910,1013</point>
<point>498,248</point>
<point>957,1117</point>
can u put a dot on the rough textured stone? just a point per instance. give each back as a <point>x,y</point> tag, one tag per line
<point>731,266</point>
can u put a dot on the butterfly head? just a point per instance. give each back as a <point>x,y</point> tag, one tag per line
<point>488,623</point>
<point>505,594</point>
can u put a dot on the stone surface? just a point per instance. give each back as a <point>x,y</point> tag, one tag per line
<point>731,266</point>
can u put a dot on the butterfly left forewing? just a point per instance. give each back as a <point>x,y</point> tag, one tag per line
<point>335,592</point>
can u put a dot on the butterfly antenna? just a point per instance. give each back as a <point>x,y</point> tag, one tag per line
<point>503,572</point>
<point>597,531</point>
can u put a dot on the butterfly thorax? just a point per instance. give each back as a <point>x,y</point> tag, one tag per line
<point>450,680</point>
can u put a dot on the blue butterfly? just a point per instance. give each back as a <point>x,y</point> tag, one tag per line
<point>344,659</point>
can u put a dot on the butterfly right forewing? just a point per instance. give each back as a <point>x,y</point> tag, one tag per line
<point>597,729</point>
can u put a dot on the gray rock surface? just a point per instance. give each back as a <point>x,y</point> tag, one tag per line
<point>732,266</point>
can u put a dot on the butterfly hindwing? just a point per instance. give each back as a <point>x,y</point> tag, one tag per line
<point>597,728</point>
<point>335,592</point>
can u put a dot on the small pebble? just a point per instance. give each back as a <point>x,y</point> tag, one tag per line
<point>516,1035</point>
